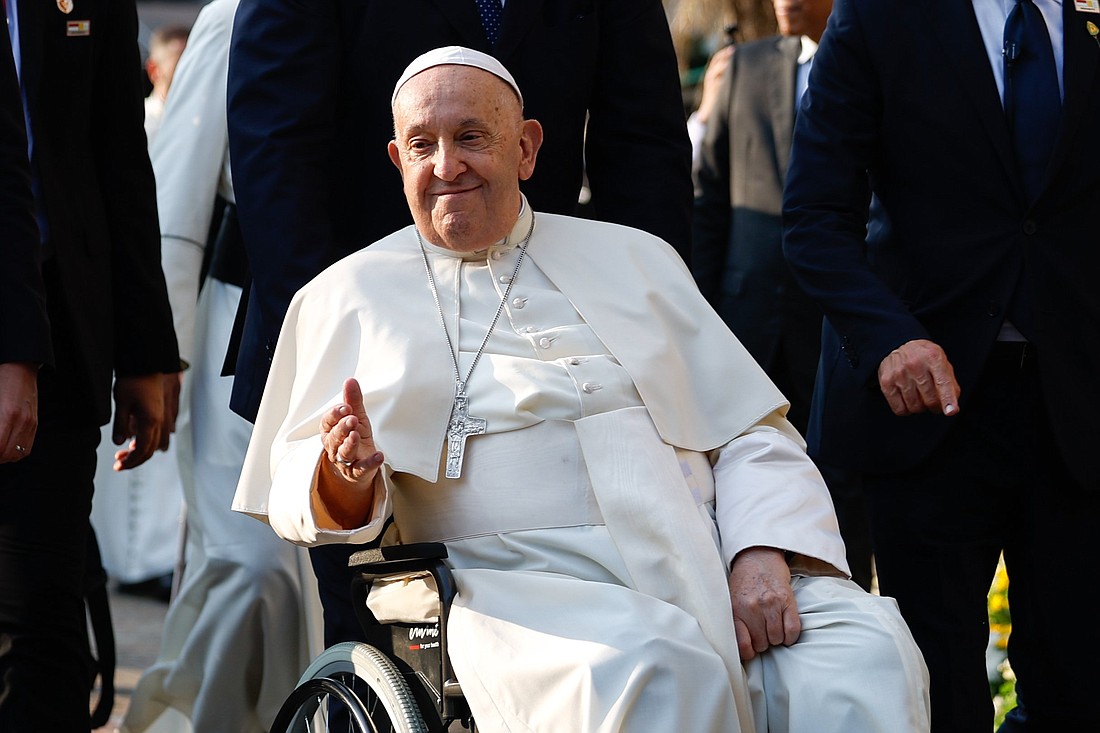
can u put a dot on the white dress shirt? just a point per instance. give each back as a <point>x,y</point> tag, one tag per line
<point>991,20</point>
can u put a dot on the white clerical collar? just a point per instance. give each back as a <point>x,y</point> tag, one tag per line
<point>809,48</point>
<point>513,240</point>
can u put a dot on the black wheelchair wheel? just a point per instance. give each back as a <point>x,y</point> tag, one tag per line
<point>352,688</point>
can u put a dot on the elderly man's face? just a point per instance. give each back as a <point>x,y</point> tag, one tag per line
<point>462,146</point>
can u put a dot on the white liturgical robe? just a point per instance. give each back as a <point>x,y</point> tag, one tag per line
<point>246,619</point>
<point>632,449</point>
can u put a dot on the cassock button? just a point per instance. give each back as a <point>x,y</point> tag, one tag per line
<point>575,361</point>
<point>544,342</point>
<point>505,279</point>
<point>519,302</point>
<point>1030,227</point>
<point>590,387</point>
<point>994,310</point>
<point>497,255</point>
<point>530,329</point>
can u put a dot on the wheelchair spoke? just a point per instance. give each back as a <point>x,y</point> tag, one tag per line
<point>372,703</point>
<point>351,688</point>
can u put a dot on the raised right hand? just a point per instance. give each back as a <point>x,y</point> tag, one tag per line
<point>348,439</point>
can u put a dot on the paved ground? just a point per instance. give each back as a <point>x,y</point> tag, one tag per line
<point>137,622</point>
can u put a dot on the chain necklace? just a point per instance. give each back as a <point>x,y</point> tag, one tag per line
<point>462,425</point>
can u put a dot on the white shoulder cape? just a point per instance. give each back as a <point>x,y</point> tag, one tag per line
<point>372,316</point>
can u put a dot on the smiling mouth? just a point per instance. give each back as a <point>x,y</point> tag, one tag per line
<point>454,191</point>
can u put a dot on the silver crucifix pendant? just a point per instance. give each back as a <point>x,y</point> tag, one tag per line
<point>460,427</point>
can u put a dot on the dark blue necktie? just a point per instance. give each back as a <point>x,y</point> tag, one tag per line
<point>490,19</point>
<point>1033,103</point>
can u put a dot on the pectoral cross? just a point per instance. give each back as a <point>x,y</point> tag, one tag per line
<point>460,427</point>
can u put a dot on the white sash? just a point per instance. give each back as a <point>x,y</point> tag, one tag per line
<point>660,531</point>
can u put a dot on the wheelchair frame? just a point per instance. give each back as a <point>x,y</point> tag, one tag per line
<point>401,679</point>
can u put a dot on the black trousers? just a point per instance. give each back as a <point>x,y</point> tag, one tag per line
<point>330,565</point>
<point>998,482</point>
<point>45,665</point>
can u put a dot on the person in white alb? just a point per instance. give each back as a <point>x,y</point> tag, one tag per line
<point>638,538</point>
<point>237,635</point>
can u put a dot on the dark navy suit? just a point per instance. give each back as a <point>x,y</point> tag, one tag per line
<point>903,104</point>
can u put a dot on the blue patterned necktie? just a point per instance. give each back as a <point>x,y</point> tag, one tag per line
<point>1033,103</point>
<point>490,11</point>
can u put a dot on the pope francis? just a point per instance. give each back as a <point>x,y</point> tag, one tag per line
<point>639,540</point>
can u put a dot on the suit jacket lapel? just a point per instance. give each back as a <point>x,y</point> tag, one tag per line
<point>518,16</point>
<point>1081,60</point>
<point>783,73</point>
<point>464,17</point>
<point>954,22</point>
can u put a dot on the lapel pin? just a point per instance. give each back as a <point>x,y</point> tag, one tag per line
<point>1094,31</point>
<point>78,28</point>
<point>65,6</point>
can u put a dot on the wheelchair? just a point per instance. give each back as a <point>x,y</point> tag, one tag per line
<point>401,680</point>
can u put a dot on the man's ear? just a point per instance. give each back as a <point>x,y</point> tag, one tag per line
<point>530,141</point>
<point>395,156</point>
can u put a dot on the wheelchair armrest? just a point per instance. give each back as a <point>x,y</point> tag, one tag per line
<point>419,648</point>
<point>380,556</point>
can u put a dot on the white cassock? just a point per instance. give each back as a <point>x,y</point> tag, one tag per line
<point>154,113</point>
<point>246,621</point>
<point>632,450</point>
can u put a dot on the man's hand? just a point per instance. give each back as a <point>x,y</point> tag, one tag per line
<point>345,485</point>
<point>917,377</point>
<point>18,410</point>
<point>141,416</point>
<point>764,610</point>
<point>348,440</point>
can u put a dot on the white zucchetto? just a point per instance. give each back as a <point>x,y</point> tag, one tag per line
<point>458,56</point>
